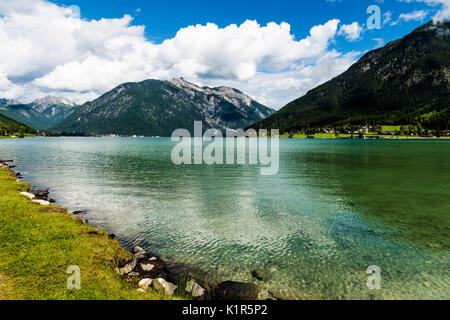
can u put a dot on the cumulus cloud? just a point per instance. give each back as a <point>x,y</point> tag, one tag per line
<point>351,32</point>
<point>48,49</point>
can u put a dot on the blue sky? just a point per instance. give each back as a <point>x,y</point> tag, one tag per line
<point>275,51</point>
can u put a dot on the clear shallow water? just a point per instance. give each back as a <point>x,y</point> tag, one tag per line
<point>335,208</point>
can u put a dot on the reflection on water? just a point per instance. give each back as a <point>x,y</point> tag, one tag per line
<point>335,208</point>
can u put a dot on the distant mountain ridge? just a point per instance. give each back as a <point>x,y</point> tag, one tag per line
<point>41,114</point>
<point>157,108</point>
<point>405,82</point>
<point>54,108</point>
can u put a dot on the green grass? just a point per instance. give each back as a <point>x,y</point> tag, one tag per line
<point>392,128</point>
<point>38,244</point>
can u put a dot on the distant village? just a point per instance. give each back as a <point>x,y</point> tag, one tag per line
<point>377,130</point>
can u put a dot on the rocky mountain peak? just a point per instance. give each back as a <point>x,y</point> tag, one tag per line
<point>50,100</point>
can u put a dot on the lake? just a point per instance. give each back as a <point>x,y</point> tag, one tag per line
<point>335,208</point>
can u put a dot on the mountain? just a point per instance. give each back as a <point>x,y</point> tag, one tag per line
<point>56,109</point>
<point>40,114</point>
<point>25,114</point>
<point>157,108</point>
<point>9,127</point>
<point>406,82</point>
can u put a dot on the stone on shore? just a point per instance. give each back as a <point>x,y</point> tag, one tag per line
<point>127,268</point>
<point>147,267</point>
<point>42,202</point>
<point>139,254</point>
<point>145,283</point>
<point>195,289</point>
<point>40,193</point>
<point>27,194</point>
<point>162,285</point>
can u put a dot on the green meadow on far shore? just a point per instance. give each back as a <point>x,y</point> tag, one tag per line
<point>354,136</point>
<point>39,243</point>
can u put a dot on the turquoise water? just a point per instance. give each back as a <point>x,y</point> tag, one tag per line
<point>335,208</point>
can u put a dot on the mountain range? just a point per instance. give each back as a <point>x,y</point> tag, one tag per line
<point>157,108</point>
<point>405,82</point>
<point>41,114</point>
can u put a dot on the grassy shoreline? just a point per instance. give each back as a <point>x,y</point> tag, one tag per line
<point>38,243</point>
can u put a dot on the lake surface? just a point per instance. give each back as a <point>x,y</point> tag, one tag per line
<point>335,208</point>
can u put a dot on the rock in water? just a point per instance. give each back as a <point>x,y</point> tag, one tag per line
<point>195,289</point>
<point>230,290</point>
<point>261,275</point>
<point>79,212</point>
<point>162,285</point>
<point>180,273</point>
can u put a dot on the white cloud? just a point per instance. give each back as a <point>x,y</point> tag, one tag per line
<point>387,17</point>
<point>352,32</point>
<point>416,15</point>
<point>443,13</point>
<point>48,49</point>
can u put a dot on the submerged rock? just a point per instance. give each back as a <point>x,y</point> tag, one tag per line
<point>261,275</point>
<point>181,273</point>
<point>230,290</point>
<point>79,212</point>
